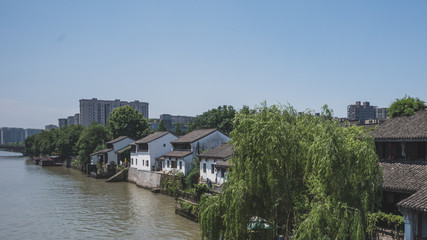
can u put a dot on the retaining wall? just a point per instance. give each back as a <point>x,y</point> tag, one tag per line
<point>145,179</point>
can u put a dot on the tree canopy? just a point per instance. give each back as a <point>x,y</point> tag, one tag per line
<point>90,138</point>
<point>66,144</point>
<point>305,174</point>
<point>162,126</point>
<point>220,117</point>
<point>126,121</point>
<point>178,130</point>
<point>405,106</point>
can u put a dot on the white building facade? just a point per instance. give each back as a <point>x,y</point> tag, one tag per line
<point>109,154</point>
<point>187,147</point>
<point>214,164</point>
<point>145,151</point>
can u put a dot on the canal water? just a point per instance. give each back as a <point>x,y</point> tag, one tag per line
<point>59,203</point>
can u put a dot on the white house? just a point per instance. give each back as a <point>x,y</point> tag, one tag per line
<point>214,164</point>
<point>145,151</point>
<point>109,154</point>
<point>187,147</point>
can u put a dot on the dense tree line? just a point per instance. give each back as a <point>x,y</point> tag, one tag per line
<point>220,117</point>
<point>308,176</point>
<point>80,141</point>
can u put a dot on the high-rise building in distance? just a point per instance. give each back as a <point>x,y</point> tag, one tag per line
<point>365,111</point>
<point>94,110</point>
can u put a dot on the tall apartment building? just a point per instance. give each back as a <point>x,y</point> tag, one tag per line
<point>76,119</point>
<point>181,119</point>
<point>62,122</point>
<point>381,113</point>
<point>31,132</point>
<point>50,127</point>
<point>70,120</point>
<point>11,135</point>
<point>365,111</point>
<point>94,110</point>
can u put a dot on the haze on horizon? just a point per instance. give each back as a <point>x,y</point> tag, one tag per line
<point>186,57</point>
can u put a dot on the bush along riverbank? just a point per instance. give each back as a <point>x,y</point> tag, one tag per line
<point>187,192</point>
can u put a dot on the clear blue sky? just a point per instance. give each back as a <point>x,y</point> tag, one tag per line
<point>186,57</point>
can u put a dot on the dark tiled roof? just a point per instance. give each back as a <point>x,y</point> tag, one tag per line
<point>152,137</point>
<point>102,151</point>
<point>223,151</point>
<point>125,148</point>
<point>412,127</point>
<point>224,164</point>
<point>194,135</point>
<point>404,177</point>
<point>177,154</point>
<point>417,201</point>
<point>116,140</point>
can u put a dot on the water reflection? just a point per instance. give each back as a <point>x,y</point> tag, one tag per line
<point>59,203</point>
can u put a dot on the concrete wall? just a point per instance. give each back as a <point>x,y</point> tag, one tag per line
<point>145,179</point>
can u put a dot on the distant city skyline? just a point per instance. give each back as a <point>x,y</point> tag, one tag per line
<point>187,57</point>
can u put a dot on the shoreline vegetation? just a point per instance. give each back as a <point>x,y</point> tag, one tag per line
<point>294,175</point>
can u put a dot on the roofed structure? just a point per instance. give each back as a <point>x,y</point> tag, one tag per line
<point>411,128</point>
<point>116,140</point>
<point>417,201</point>
<point>224,151</point>
<point>404,177</point>
<point>152,137</point>
<point>194,135</point>
<point>177,154</point>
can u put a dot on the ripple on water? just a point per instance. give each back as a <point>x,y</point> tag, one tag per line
<point>60,203</point>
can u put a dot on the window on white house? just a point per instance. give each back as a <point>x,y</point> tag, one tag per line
<point>132,161</point>
<point>168,163</point>
<point>212,168</point>
<point>180,164</point>
<point>204,167</point>
<point>146,163</point>
<point>136,161</point>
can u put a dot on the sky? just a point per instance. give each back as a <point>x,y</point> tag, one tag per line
<point>186,57</point>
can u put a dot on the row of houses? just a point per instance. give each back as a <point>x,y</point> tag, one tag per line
<point>166,153</point>
<point>401,145</point>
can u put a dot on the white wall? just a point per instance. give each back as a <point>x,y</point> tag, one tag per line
<point>186,164</point>
<point>220,180</point>
<point>133,157</point>
<point>156,148</point>
<point>208,174</point>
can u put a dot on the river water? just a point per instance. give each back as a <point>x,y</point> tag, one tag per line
<point>59,203</point>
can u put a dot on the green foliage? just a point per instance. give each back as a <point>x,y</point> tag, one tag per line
<point>173,183</point>
<point>29,142</point>
<point>306,174</point>
<point>192,177</point>
<point>385,220</point>
<point>43,143</point>
<point>162,126</point>
<point>178,131</point>
<point>66,144</point>
<point>90,138</point>
<point>126,121</point>
<point>220,117</point>
<point>200,189</point>
<point>188,207</point>
<point>405,106</point>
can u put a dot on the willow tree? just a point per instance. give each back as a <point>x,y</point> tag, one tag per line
<point>306,175</point>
